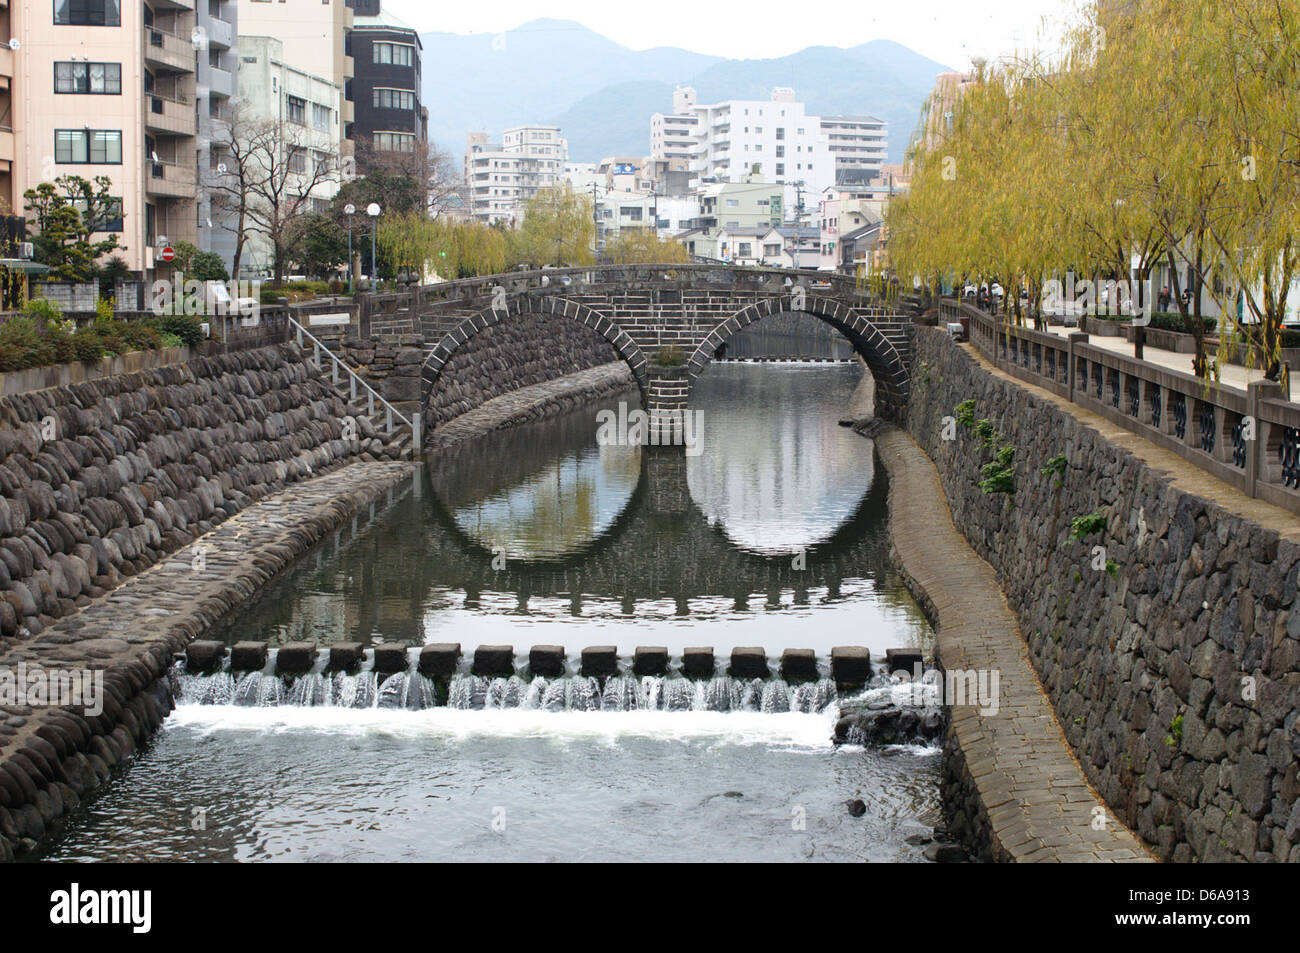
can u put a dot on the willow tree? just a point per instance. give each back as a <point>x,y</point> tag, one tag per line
<point>1253,59</point>
<point>558,228</point>
<point>643,246</point>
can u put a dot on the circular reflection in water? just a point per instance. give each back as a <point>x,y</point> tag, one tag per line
<point>776,471</point>
<point>540,493</point>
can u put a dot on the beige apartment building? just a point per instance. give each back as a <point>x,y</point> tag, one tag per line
<point>10,126</point>
<point>107,87</point>
<point>314,38</point>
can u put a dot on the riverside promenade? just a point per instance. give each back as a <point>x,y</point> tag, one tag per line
<point>1013,769</point>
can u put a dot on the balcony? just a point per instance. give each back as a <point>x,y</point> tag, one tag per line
<point>6,144</point>
<point>220,82</point>
<point>6,64</point>
<point>168,116</point>
<point>164,50</point>
<point>169,179</point>
<point>220,33</point>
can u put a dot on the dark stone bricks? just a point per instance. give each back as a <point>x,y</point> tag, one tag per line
<point>850,665</point>
<point>650,660</point>
<point>391,658</point>
<point>698,662</point>
<point>439,658</point>
<point>600,660</point>
<point>248,656</point>
<point>799,665</point>
<point>204,656</point>
<point>546,660</point>
<point>902,660</point>
<point>749,662</point>
<point>496,660</point>
<point>295,658</point>
<point>346,656</point>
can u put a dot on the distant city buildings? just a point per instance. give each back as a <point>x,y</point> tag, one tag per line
<point>502,177</point>
<point>777,139</point>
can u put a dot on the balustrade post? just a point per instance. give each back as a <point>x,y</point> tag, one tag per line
<point>1257,391</point>
<point>1072,340</point>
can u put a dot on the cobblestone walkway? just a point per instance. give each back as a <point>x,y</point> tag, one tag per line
<point>1039,805</point>
<point>535,402</point>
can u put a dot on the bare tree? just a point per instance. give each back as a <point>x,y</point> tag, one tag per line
<point>239,144</point>
<point>272,173</point>
<point>425,173</point>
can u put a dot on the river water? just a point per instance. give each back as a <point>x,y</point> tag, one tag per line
<point>773,534</point>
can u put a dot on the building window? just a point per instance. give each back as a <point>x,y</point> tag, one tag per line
<point>295,110</point>
<point>394,99</point>
<point>88,146</point>
<point>322,117</point>
<point>393,54</point>
<point>395,141</point>
<point>87,12</point>
<point>102,78</point>
<point>298,161</point>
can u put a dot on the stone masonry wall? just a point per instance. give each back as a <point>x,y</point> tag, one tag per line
<point>102,479</point>
<point>513,354</point>
<point>1175,667</point>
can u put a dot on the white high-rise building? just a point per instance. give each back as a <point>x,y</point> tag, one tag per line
<point>776,138</point>
<point>503,176</point>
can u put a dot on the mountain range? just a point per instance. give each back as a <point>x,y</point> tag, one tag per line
<point>602,94</point>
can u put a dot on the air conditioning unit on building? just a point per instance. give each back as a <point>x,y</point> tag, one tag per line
<point>27,251</point>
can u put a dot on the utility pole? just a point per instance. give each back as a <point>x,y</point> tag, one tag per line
<point>595,223</point>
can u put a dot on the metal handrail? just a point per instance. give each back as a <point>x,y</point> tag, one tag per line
<point>354,379</point>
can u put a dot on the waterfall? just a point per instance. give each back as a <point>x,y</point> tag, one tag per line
<point>572,693</point>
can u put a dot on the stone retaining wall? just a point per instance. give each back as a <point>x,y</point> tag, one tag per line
<point>1171,654</point>
<point>101,479</point>
<point>52,759</point>
<point>513,354</point>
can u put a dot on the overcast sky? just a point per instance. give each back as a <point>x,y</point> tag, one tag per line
<point>950,31</point>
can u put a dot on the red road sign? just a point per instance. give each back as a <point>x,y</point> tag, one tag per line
<point>167,254</point>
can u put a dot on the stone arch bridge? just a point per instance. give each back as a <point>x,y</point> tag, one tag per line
<point>666,321</point>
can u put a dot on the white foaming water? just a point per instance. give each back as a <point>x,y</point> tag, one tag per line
<point>786,730</point>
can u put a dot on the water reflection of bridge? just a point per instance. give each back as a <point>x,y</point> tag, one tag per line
<point>640,539</point>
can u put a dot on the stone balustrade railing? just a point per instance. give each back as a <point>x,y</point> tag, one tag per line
<point>1249,439</point>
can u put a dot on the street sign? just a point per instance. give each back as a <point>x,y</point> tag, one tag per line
<point>167,254</point>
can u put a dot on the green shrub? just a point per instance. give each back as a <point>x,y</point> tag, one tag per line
<point>670,355</point>
<point>187,328</point>
<point>1000,473</point>
<point>1055,466</point>
<point>965,412</point>
<point>1173,321</point>
<point>1081,527</point>
<point>986,434</point>
<point>43,309</point>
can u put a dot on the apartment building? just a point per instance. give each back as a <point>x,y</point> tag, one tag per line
<point>11,174</point>
<point>314,34</point>
<point>385,92</point>
<point>776,138</point>
<point>502,177</point>
<point>216,32</point>
<point>109,90</point>
<point>674,135</point>
<point>306,109</point>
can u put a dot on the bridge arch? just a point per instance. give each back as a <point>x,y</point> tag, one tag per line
<point>882,357</point>
<point>518,307</point>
